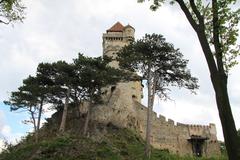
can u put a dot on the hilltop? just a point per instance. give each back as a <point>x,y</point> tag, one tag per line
<point>104,142</point>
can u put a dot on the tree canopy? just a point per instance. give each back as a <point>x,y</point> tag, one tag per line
<point>158,62</point>
<point>95,74</point>
<point>61,84</point>
<point>224,22</point>
<point>216,25</point>
<point>153,56</point>
<point>11,11</point>
<point>30,97</point>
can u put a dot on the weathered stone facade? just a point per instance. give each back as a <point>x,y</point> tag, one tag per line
<point>122,107</point>
<point>177,137</point>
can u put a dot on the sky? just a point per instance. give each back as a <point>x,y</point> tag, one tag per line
<point>59,30</point>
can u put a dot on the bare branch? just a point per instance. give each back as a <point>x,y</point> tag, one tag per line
<point>200,30</point>
<point>196,12</point>
<point>188,14</point>
<point>217,44</point>
<point>1,21</point>
<point>205,10</point>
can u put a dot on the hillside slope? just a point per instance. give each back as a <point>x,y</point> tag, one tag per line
<point>104,142</point>
<point>117,144</point>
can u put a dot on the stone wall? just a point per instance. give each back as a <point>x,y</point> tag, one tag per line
<point>122,108</point>
<point>123,111</point>
<point>112,43</point>
<point>117,105</point>
<point>166,134</point>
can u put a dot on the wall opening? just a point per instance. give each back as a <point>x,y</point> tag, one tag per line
<point>134,97</point>
<point>113,88</point>
<point>197,144</point>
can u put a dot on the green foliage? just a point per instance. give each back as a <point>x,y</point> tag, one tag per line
<point>83,79</point>
<point>30,97</point>
<point>223,148</point>
<point>160,65</point>
<point>228,20</point>
<point>58,143</point>
<point>60,76</point>
<point>94,74</point>
<point>227,25</point>
<point>117,144</point>
<point>27,94</point>
<point>157,59</point>
<point>11,11</point>
<point>216,25</point>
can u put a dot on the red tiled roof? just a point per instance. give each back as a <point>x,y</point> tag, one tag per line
<point>117,27</point>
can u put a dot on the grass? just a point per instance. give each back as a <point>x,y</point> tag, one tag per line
<point>117,144</point>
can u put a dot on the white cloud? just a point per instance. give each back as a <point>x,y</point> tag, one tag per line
<point>55,30</point>
<point>1,145</point>
<point>1,126</point>
<point>6,134</point>
<point>6,130</point>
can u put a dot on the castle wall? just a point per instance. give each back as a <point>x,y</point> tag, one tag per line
<point>117,106</point>
<point>112,43</point>
<point>122,108</point>
<point>174,137</point>
<point>166,134</point>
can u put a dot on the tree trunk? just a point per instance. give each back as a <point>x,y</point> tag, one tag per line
<point>34,124</point>
<point>65,111</point>
<point>151,93</point>
<point>219,82</point>
<point>149,126</point>
<point>218,78</point>
<point>228,125</point>
<point>39,120</point>
<point>85,129</point>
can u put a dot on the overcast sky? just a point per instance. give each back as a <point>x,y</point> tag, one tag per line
<point>58,30</point>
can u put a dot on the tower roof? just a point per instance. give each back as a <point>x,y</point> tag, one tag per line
<point>117,27</point>
<point>129,26</point>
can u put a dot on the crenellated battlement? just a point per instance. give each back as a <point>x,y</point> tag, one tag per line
<point>123,108</point>
<point>168,134</point>
<point>163,120</point>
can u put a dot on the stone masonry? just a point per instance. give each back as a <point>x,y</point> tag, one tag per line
<point>122,107</point>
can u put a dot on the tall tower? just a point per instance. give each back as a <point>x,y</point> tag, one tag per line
<point>114,39</point>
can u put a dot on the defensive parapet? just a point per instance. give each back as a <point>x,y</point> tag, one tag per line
<point>122,107</point>
<point>178,137</point>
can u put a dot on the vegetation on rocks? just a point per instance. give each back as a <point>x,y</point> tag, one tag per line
<point>116,144</point>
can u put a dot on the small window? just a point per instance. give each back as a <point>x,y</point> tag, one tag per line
<point>113,88</point>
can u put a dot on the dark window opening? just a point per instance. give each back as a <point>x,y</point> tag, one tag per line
<point>105,92</point>
<point>197,144</point>
<point>113,88</point>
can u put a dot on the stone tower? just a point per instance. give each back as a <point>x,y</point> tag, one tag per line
<point>123,109</point>
<point>114,39</point>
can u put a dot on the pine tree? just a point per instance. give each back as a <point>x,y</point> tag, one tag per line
<point>161,66</point>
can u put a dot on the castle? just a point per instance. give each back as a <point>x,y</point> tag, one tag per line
<point>123,108</point>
